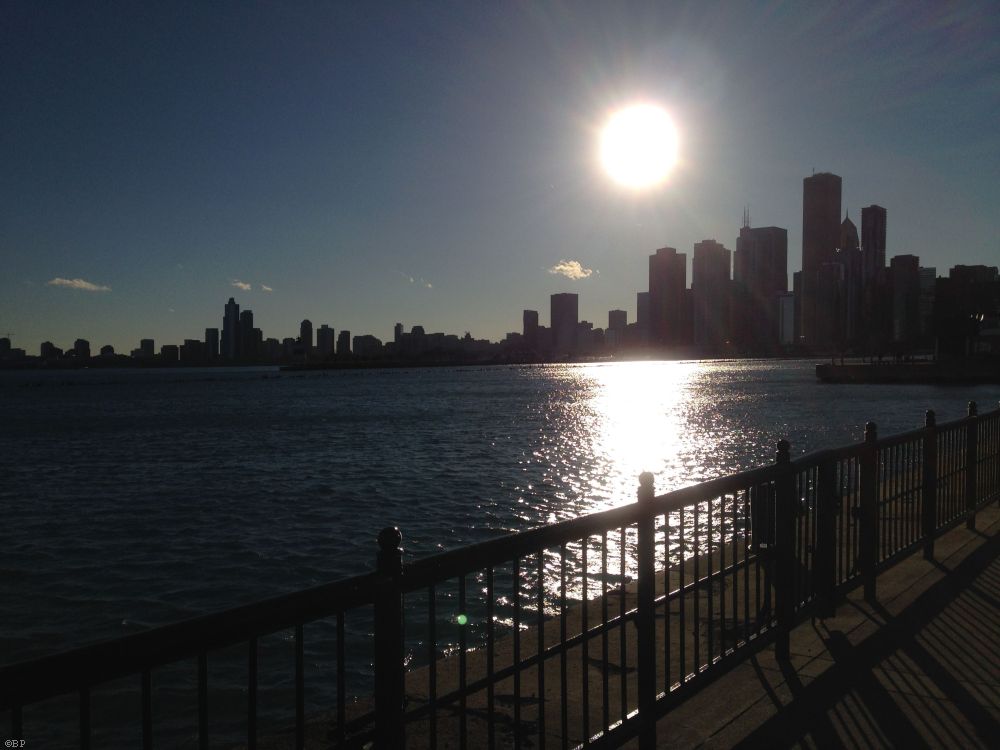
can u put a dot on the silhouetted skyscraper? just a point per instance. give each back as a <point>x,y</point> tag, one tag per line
<point>306,336</point>
<point>667,283</point>
<point>710,293</point>
<point>343,343</point>
<point>564,316</point>
<point>147,348</point>
<point>905,277</point>
<point>529,320</point>
<point>248,344</point>
<point>760,277</point>
<point>849,256</point>
<point>617,320</point>
<point>81,348</point>
<point>397,333</point>
<point>820,235</point>
<point>325,340</point>
<point>642,315</point>
<point>873,225</point>
<point>211,344</point>
<point>231,331</point>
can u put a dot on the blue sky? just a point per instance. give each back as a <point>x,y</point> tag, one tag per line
<point>429,162</point>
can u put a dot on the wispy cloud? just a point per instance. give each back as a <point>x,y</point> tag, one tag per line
<point>571,269</point>
<point>242,285</point>
<point>265,288</point>
<point>81,284</point>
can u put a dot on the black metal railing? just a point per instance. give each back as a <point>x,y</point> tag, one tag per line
<point>580,633</point>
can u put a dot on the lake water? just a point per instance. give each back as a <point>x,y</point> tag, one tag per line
<point>133,498</point>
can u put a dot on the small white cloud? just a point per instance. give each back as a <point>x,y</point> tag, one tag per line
<point>428,284</point>
<point>81,284</point>
<point>265,288</point>
<point>242,285</point>
<point>571,269</point>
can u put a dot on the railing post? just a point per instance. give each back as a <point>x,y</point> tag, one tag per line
<point>646,617</point>
<point>930,484</point>
<point>972,466</point>
<point>389,642</point>
<point>784,554</point>
<point>869,510</point>
<point>828,502</point>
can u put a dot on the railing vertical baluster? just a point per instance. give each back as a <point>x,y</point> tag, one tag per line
<point>203,701</point>
<point>84,718</point>
<point>622,639</point>
<point>585,646</point>
<point>646,616</point>
<point>516,570</point>
<point>710,546</point>
<point>825,580</point>
<point>869,510</point>
<point>696,586</point>
<point>681,604</point>
<point>747,531</point>
<point>971,467</point>
<point>541,649</point>
<point>930,494</point>
<point>563,616</point>
<point>432,662</point>
<point>389,733</point>
<point>490,637</point>
<point>736,572</point>
<point>605,708</point>
<point>783,559</point>
<point>252,694</point>
<point>722,576</point>
<point>463,699</point>
<point>300,689</point>
<point>666,603</point>
<point>147,710</point>
<point>342,679</point>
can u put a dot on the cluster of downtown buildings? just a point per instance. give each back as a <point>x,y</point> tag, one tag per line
<point>846,299</point>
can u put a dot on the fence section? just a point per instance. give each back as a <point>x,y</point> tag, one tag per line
<point>575,634</point>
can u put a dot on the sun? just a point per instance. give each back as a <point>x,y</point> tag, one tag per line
<point>639,146</point>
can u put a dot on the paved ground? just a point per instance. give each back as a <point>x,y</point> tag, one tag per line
<point>919,669</point>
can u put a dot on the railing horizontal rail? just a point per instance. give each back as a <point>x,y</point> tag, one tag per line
<point>30,681</point>
<point>421,573</point>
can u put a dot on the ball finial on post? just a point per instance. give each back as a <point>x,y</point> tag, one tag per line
<point>390,554</point>
<point>973,409</point>
<point>784,452</point>
<point>646,491</point>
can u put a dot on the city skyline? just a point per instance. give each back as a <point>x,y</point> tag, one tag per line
<point>344,165</point>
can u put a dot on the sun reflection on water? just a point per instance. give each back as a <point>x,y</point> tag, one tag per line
<point>632,417</point>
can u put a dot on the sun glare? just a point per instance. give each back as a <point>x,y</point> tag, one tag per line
<point>639,146</point>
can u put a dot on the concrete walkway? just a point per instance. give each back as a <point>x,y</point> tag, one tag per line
<point>919,669</point>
